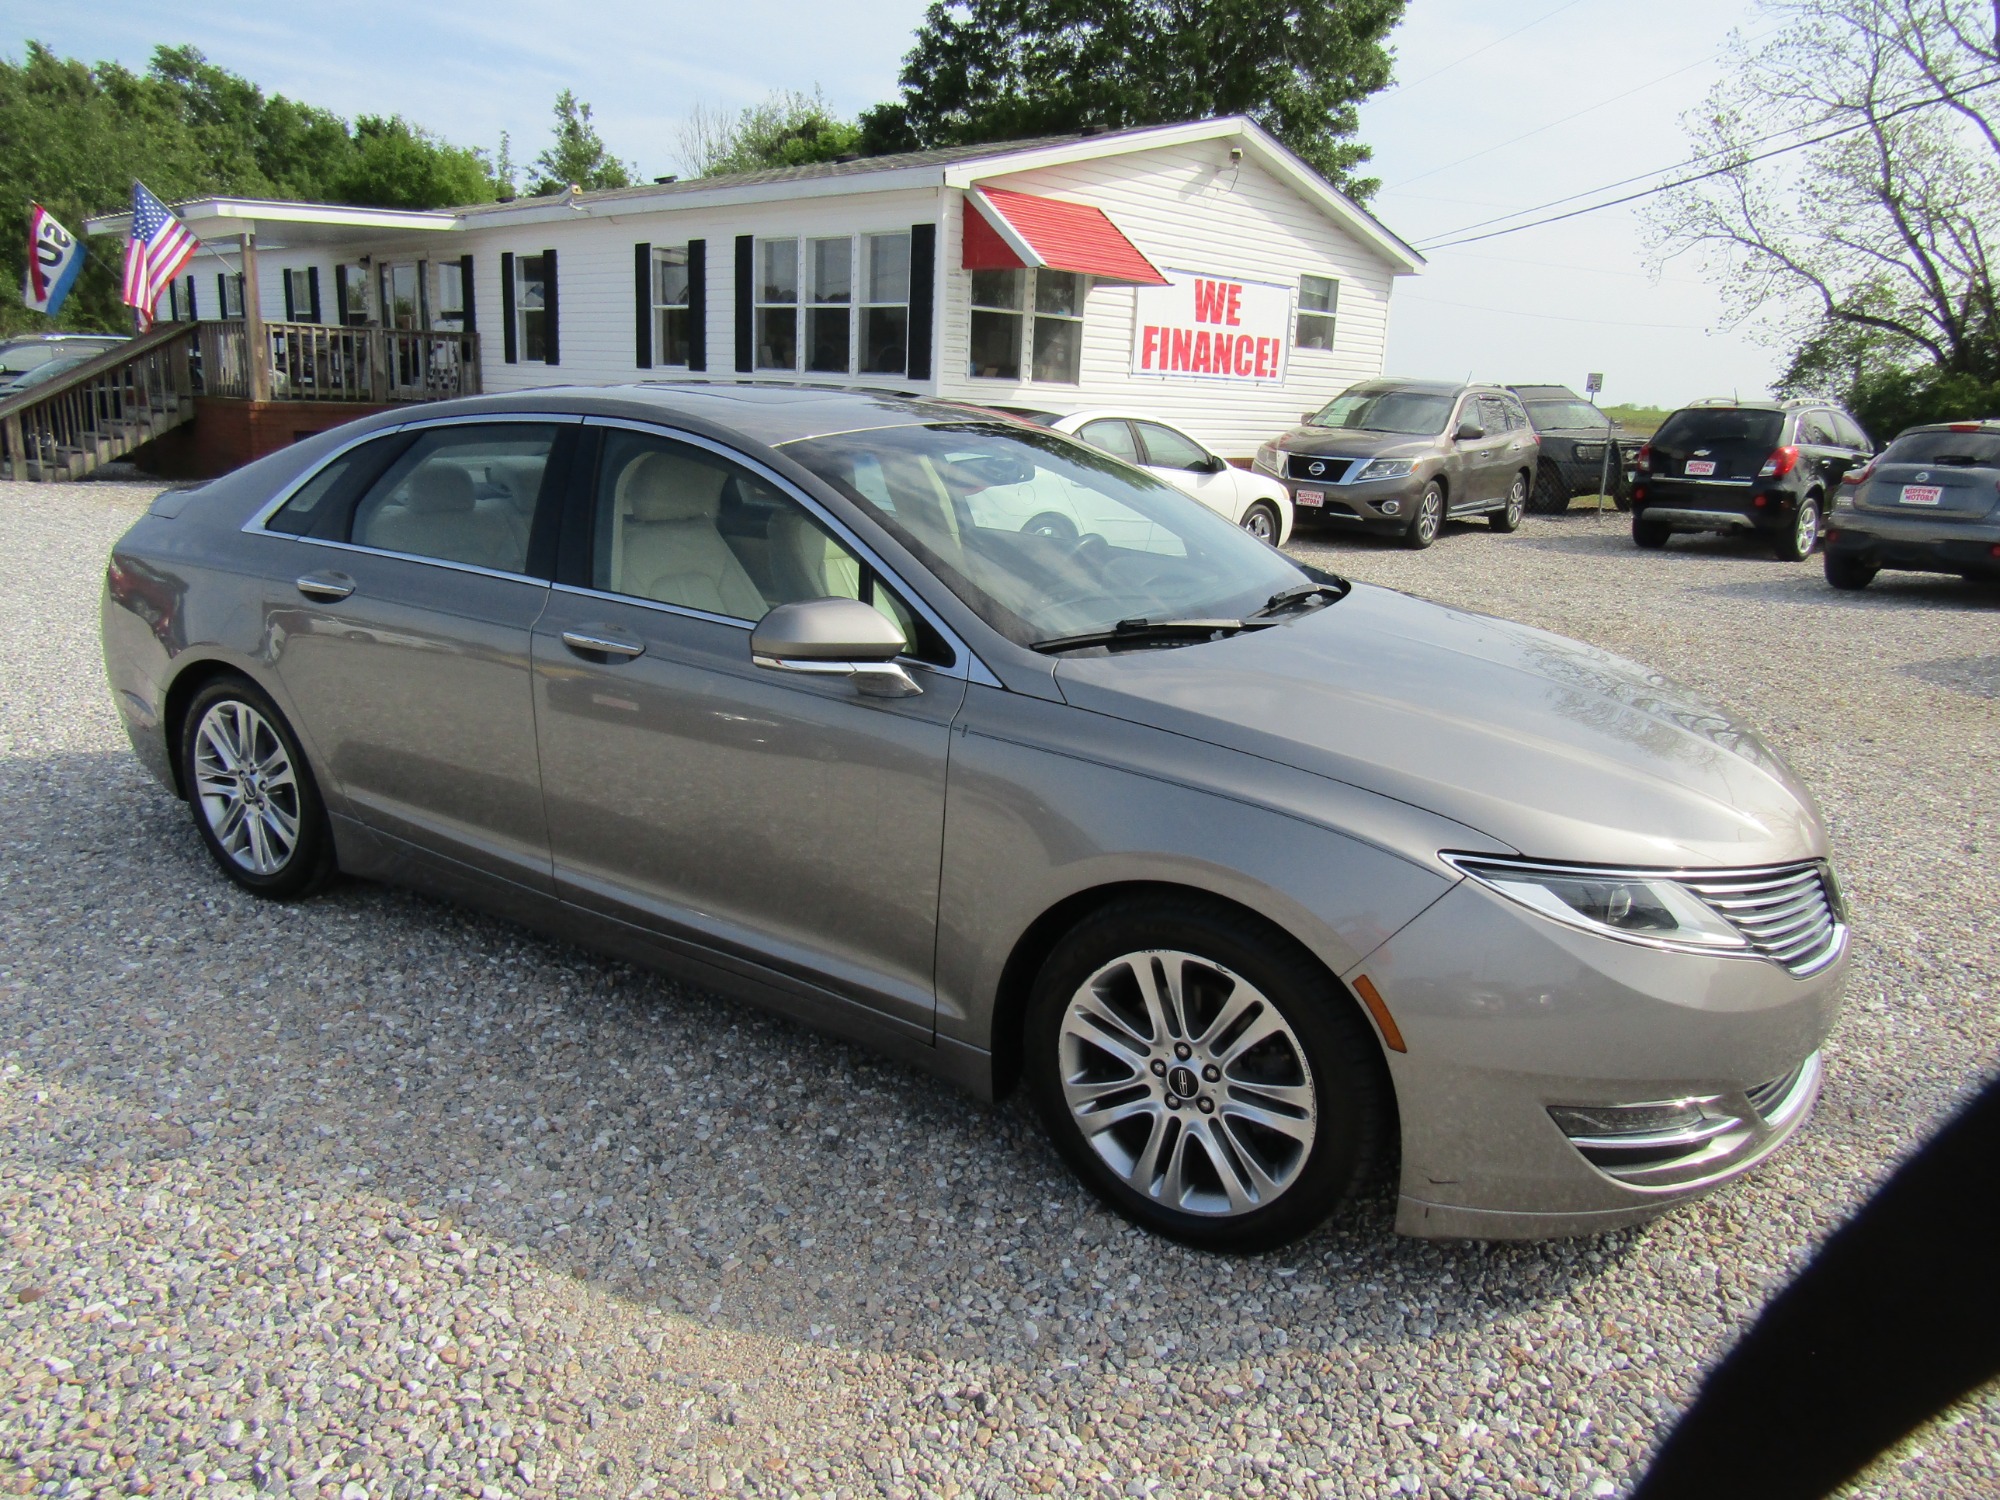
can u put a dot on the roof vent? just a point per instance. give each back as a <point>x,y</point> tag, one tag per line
<point>663,181</point>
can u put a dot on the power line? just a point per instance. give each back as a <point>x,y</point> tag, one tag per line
<point>1477,51</point>
<point>1729,166</point>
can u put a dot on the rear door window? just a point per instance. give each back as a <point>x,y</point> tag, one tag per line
<point>461,494</point>
<point>1816,430</point>
<point>1167,449</point>
<point>325,491</point>
<point>1114,437</point>
<point>1849,432</point>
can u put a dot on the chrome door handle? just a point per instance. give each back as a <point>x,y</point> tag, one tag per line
<point>331,587</point>
<point>603,645</point>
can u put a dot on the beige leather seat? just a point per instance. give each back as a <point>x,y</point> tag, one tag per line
<point>437,514</point>
<point>812,563</point>
<point>665,545</point>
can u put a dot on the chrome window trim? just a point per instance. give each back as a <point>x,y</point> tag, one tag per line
<point>967,664</point>
<point>259,518</point>
<point>417,557</point>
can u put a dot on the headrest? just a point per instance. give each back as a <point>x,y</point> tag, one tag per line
<point>668,487</point>
<point>439,489</point>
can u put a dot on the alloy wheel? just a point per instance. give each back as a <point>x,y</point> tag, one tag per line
<point>1807,530</point>
<point>246,787</point>
<point>1187,1082</point>
<point>1261,524</point>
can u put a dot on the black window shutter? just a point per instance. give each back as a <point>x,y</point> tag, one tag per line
<point>222,294</point>
<point>340,308</point>
<point>193,311</point>
<point>549,302</point>
<point>312,290</point>
<point>746,256</point>
<point>697,304</point>
<point>508,335</point>
<point>465,292</point>
<point>642,305</point>
<point>291,312</point>
<point>923,297</point>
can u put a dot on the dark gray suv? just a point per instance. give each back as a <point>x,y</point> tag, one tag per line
<point>1930,503</point>
<point>1402,457</point>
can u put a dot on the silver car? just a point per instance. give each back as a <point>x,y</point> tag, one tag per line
<point>1254,879</point>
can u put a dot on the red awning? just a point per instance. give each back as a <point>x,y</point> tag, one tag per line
<point>1006,230</point>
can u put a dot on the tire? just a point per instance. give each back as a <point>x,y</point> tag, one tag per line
<point>1551,495</point>
<point>1052,524</point>
<point>275,842</point>
<point>1316,1064</point>
<point>1797,544</point>
<point>1846,571</point>
<point>1651,535</point>
<point>1508,517</point>
<point>1261,515</point>
<point>1427,520</point>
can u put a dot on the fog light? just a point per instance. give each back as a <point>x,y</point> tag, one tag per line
<point>1392,507</point>
<point>1599,1120</point>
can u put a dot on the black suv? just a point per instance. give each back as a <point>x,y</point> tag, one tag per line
<point>1765,466</point>
<point>1573,434</point>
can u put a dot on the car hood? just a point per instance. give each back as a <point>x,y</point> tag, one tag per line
<point>1352,442</point>
<point>1557,749</point>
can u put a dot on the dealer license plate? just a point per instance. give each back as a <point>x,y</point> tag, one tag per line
<point>1309,497</point>
<point>1922,494</point>
<point>1700,466</point>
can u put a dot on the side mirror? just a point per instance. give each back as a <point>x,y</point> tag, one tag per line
<point>1469,431</point>
<point>1215,463</point>
<point>834,638</point>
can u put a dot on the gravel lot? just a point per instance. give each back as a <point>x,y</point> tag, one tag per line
<point>374,1196</point>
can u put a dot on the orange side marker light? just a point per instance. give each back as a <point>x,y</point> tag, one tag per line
<point>1372,998</point>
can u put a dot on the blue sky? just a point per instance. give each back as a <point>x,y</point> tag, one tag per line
<point>1499,107</point>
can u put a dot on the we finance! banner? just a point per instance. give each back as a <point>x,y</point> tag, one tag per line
<point>1205,327</point>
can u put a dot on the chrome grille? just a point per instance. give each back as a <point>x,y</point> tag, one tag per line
<point>1766,1097</point>
<point>1331,472</point>
<point>1788,914</point>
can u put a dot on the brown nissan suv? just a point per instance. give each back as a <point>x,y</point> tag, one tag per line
<point>1402,457</point>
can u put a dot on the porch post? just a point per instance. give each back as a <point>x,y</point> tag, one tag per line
<point>257,348</point>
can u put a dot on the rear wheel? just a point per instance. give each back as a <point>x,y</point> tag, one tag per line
<point>1796,545</point>
<point>253,797</point>
<point>1427,520</point>
<point>1202,1075</point>
<point>1551,496</point>
<point>1651,535</point>
<point>1846,571</point>
<point>1261,521</point>
<point>1508,517</point>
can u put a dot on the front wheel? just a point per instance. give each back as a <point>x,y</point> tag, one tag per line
<point>1202,1074</point>
<point>1261,521</point>
<point>254,801</point>
<point>1428,518</point>
<point>1797,544</point>
<point>1508,517</point>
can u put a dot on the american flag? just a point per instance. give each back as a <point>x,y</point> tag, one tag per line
<point>159,247</point>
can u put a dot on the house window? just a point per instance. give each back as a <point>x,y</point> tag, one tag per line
<point>673,324</point>
<point>885,312</point>
<point>531,305</point>
<point>230,289</point>
<point>354,294</point>
<point>451,296</point>
<point>1319,298</point>
<point>777,304</point>
<point>830,265</point>
<point>1003,328</point>
<point>299,295</point>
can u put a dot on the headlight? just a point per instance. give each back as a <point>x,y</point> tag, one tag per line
<point>1267,458</point>
<point>1387,468</point>
<point>1631,905</point>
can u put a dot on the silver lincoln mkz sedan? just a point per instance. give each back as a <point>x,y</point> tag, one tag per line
<point>1252,877</point>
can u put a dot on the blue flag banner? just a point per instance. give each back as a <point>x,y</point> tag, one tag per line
<point>54,259</point>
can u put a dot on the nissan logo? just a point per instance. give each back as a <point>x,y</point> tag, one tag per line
<point>1315,467</point>
<point>1921,478</point>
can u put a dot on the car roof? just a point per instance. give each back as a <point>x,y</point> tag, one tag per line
<point>1545,393</point>
<point>1970,424</point>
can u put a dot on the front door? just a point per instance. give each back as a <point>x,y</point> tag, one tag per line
<point>1476,461</point>
<point>405,313</point>
<point>779,821</point>
<point>404,644</point>
<point>1188,467</point>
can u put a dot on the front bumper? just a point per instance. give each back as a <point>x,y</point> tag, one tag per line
<point>1358,506</point>
<point>1507,1015</point>
<point>1924,544</point>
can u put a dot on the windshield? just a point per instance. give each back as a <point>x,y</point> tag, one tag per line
<point>1558,415</point>
<point>1386,411</point>
<point>1969,450</point>
<point>1043,537</point>
<point>1717,426</point>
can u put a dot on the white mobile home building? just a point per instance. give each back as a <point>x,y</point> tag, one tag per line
<point>1200,272</point>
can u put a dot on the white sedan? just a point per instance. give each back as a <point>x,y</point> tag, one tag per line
<point>1260,505</point>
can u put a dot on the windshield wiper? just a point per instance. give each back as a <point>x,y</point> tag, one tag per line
<point>1134,632</point>
<point>1332,591</point>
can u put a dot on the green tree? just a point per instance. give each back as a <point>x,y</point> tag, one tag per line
<point>394,164</point>
<point>790,129</point>
<point>988,70</point>
<point>577,154</point>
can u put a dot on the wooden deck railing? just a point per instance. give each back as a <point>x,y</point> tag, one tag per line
<point>100,410</point>
<point>329,362</point>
